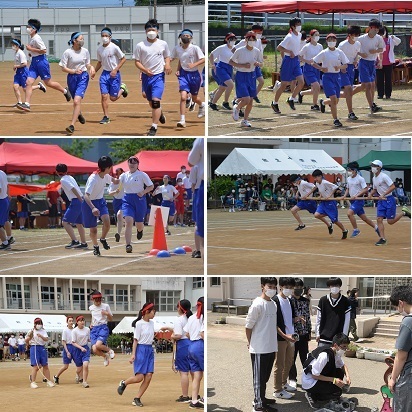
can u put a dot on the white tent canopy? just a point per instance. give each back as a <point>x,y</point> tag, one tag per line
<point>24,322</point>
<point>125,325</point>
<point>242,161</point>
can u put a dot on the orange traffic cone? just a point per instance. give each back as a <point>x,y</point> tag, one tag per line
<point>159,238</point>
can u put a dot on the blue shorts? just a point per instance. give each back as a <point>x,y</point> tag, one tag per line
<point>309,205</point>
<point>22,348</point>
<point>38,355</point>
<point>100,332</point>
<point>20,77</point>
<point>153,86</point>
<point>170,205</point>
<point>77,84</point>
<point>245,84</point>
<point>196,355</point>
<point>329,209</point>
<point>199,206</point>
<point>367,71</point>
<point>89,219</point>
<point>387,208</point>
<point>74,212</point>
<point>13,350</point>
<point>224,72</point>
<point>189,82</point>
<point>290,69</point>
<point>194,205</point>
<point>143,360</point>
<point>110,85</point>
<point>348,78</point>
<point>203,77</point>
<point>331,84</point>
<point>215,77</point>
<point>4,210</point>
<point>134,206</point>
<point>39,67</point>
<point>357,207</point>
<point>188,193</point>
<point>182,361</point>
<point>22,214</point>
<point>258,72</point>
<point>310,74</point>
<point>117,205</point>
<point>66,359</point>
<point>79,357</point>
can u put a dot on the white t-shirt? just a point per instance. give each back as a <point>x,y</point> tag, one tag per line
<point>37,42</point>
<point>67,335</point>
<point>181,175</point>
<point>286,308</point>
<point>244,55</point>
<point>356,185</point>
<point>351,50</point>
<point>12,342</point>
<point>3,185</point>
<point>317,366</point>
<point>97,317</point>
<point>291,42</point>
<point>186,182</point>
<point>68,183</point>
<point>305,187</point>
<point>193,327</point>
<point>75,59</point>
<point>135,182</point>
<point>20,58</point>
<point>152,55</point>
<point>261,318</point>
<point>242,43</point>
<point>95,185</point>
<point>144,332</point>
<point>166,191</point>
<point>81,336</point>
<point>326,188</point>
<point>371,43</point>
<point>309,51</point>
<point>179,325</point>
<point>21,341</point>
<point>196,158</point>
<point>222,54</point>
<point>193,176</point>
<point>36,340</point>
<point>112,187</point>
<point>382,183</point>
<point>109,56</point>
<point>330,59</point>
<point>191,54</point>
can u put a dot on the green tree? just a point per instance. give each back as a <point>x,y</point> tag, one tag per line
<point>79,146</point>
<point>123,148</point>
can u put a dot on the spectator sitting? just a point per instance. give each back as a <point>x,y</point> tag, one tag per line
<point>281,199</point>
<point>242,193</point>
<point>291,196</point>
<point>267,197</point>
<point>400,194</point>
<point>253,199</point>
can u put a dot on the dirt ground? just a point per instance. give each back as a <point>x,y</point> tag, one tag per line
<point>102,395</point>
<point>51,114</point>
<point>394,119</point>
<point>42,252</point>
<point>246,243</point>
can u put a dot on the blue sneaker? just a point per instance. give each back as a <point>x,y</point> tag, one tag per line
<point>377,230</point>
<point>356,232</point>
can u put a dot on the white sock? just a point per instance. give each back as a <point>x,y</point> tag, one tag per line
<point>275,102</point>
<point>154,125</point>
<point>8,237</point>
<point>203,104</point>
<point>182,118</point>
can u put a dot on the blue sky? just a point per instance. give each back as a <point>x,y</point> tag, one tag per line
<point>63,3</point>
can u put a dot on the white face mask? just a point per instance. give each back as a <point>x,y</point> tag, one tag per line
<point>298,28</point>
<point>251,43</point>
<point>375,170</point>
<point>38,327</point>
<point>340,352</point>
<point>80,43</point>
<point>232,43</point>
<point>316,38</point>
<point>258,35</point>
<point>29,30</point>
<point>331,44</point>
<point>335,290</point>
<point>180,184</point>
<point>106,40</point>
<point>152,34</point>
<point>15,48</point>
<point>270,292</point>
<point>233,191</point>
<point>287,292</point>
<point>351,174</point>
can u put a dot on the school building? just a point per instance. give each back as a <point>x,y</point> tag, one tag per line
<point>68,295</point>
<point>126,23</point>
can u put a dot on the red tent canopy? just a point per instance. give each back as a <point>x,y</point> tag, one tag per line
<point>327,6</point>
<point>34,158</point>
<point>159,163</point>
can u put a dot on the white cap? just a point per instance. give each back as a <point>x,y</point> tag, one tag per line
<point>377,163</point>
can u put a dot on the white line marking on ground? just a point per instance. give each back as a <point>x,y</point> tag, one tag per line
<point>118,265</point>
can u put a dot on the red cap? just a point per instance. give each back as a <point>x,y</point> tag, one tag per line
<point>229,36</point>
<point>80,317</point>
<point>330,35</point>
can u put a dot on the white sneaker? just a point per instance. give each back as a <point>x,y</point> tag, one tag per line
<point>235,113</point>
<point>290,388</point>
<point>211,96</point>
<point>85,385</point>
<point>34,385</point>
<point>277,85</point>
<point>51,384</point>
<point>77,379</point>
<point>245,123</point>
<point>282,395</point>
<point>112,354</point>
<point>181,124</point>
<point>201,111</point>
<point>106,360</point>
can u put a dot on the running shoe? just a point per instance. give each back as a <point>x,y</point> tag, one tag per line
<point>121,388</point>
<point>105,244</point>
<point>337,123</point>
<point>197,405</point>
<point>136,402</point>
<point>81,246</point>
<point>73,243</point>
<point>241,114</point>
<point>322,106</point>
<point>352,116</point>
<point>310,400</point>
<point>139,234</point>
<point>167,232</point>
<point>81,119</point>
<point>381,242</point>
<point>300,227</point>
<point>213,106</point>
<point>192,106</point>
<point>275,107</point>
<point>291,103</point>
<point>356,232</point>
<point>188,102</point>
<point>162,118</point>
<point>196,254</point>
<point>345,234</point>
<point>34,385</point>
<point>289,387</point>
<point>256,99</point>
<point>235,113</point>
<point>24,106</point>
<point>152,131</point>
<point>183,399</point>
<point>181,124</point>
<point>106,359</point>
<point>85,385</point>
<point>67,94</point>
<point>125,90</point>
<point>226,106</point>
<point>51,384</point>
<point>300,98</point>
<point>96,251</point>
<point>112,354</point>
<point>11,240</point>
<point>330,228</point>
<point>42,87</point>
<point>282,395</point>
<point>315,108</point>
<point>117,237</point>
<point>406,211</point>
<point>56,379</point>
<point>245,123</point>
<point>234,102</point>
<point>105,120</point>
<point>129,249</point>
<point>5,247</point>
<point>70,129</point>
<point>201,111</point>
<point>375,108</point>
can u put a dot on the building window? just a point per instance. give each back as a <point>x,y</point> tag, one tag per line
<point>50,50</point>
<point>121,295</point>
<point>198,283</point>
<point>215,281</point>
<point>164,300</point>
<point>47,293</point>
<point>108,296</point>
<point>79,301</point>
<point>14,296</point>
<point>318,283</point>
